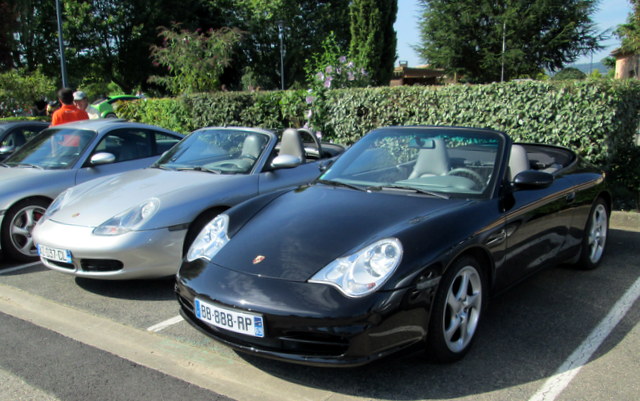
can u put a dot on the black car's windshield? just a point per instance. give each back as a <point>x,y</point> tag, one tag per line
<point>53,148</point>
<point>428,160</point>
<point>227,151</point>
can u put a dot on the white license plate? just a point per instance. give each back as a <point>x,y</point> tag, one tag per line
<point>58,255</point>
<point>239,322</point>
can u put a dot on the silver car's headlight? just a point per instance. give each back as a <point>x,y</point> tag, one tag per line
<point>363,272</point>
<point>129,219</point>
<point>56,205</point>
<point>210,240</point>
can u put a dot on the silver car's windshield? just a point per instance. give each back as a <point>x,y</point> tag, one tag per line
<point>450,162</point>
<point>54,148</point>
<point>216,150</point>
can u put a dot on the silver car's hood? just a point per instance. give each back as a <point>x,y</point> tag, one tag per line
<point>181,194</point>
<point>21,182</point>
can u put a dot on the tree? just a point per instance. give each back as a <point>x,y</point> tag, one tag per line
<point>467,36</point>
<point>19,89</point>
<point>373,40</point>
<point>110,40</point>
<point>195,60</point>
<point>629,33</point>
<point>569,73</point>
<point>30,36</point>
<point>305,24</point>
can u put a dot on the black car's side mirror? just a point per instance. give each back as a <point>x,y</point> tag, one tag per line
<point>532,179</point>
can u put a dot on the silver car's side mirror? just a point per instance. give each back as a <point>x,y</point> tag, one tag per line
<point>286,161</point>
<point>102,158</point>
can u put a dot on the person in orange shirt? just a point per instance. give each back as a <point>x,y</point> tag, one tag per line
<point>68,112</point>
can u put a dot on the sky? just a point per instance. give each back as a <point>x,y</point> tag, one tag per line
<point>610,14</point>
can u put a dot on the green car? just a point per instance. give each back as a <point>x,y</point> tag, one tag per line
<point>107,107</point>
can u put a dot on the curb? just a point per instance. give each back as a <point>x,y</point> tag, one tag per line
<point>625,220</point>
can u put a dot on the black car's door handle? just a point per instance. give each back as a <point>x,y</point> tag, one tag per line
<point>571,197</point>
<point>496,238</point>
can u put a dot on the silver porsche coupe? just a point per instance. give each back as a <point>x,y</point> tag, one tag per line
<point>139,224</point>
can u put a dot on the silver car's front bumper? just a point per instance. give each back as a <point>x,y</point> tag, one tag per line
<point>141,254</point>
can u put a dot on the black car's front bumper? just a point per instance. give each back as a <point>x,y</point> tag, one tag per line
<point>307,323</point>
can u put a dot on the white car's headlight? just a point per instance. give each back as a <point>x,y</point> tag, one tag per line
<point>56,205</point>
<point>129,219</point>
<point>210,240</point>
<point>363,272</point>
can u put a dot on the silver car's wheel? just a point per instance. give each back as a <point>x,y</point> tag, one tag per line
<point>457,310</point>
<point>17,226</point>
<point>595,236</point>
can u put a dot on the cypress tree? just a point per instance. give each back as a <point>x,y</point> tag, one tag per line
<point>373,39</point>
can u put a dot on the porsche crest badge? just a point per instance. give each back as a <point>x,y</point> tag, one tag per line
<point>258,259</point>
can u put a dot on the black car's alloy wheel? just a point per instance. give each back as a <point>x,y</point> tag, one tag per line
<point>594,240</point>
<point>17,226</point>
<point>457,310</point>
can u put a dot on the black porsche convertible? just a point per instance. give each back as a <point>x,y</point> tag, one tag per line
<point>400,242</point>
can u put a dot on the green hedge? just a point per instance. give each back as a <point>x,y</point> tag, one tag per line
<point>598,119</point>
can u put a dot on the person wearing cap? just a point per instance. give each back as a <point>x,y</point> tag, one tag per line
<point>82,102</point>
<point>68,112</point>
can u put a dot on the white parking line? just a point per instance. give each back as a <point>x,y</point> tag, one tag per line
<point>16,268</point>
<point>163,325</point>
<point>570,368</point>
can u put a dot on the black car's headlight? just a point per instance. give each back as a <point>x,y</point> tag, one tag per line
<point>363,272</point>
<point>129,219</point>
<point>210,240</point>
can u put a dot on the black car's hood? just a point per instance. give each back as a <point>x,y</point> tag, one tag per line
<point>303,230</point>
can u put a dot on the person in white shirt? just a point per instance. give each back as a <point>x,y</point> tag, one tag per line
<point>81,102</point>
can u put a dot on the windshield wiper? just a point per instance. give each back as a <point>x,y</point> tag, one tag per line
<point>412,189</point>
<point>200,168</point>
<point>342,184</point>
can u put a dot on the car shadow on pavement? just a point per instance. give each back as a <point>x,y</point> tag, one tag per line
<point>527,334</point>
<point>144,290</point>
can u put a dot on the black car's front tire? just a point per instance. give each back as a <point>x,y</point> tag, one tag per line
<point>457,310</point>
<point>594,240</point>
<point>17,225</point>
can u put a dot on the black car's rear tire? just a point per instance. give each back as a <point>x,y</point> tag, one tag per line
<point>457,310</point>
<point>17,225</point>
<point>594,239</point>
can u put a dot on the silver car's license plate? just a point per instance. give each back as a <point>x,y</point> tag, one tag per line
<point>57,255</point>
<point>239,322</point>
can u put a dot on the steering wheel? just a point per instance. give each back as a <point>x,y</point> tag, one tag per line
<point>231,165</point>
<point>468,173</point>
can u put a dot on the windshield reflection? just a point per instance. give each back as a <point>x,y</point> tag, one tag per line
<point>53,149</point>
<point>216,150</point>
<point>422,160</point>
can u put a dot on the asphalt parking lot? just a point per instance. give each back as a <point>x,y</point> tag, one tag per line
<point>561,335</point>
